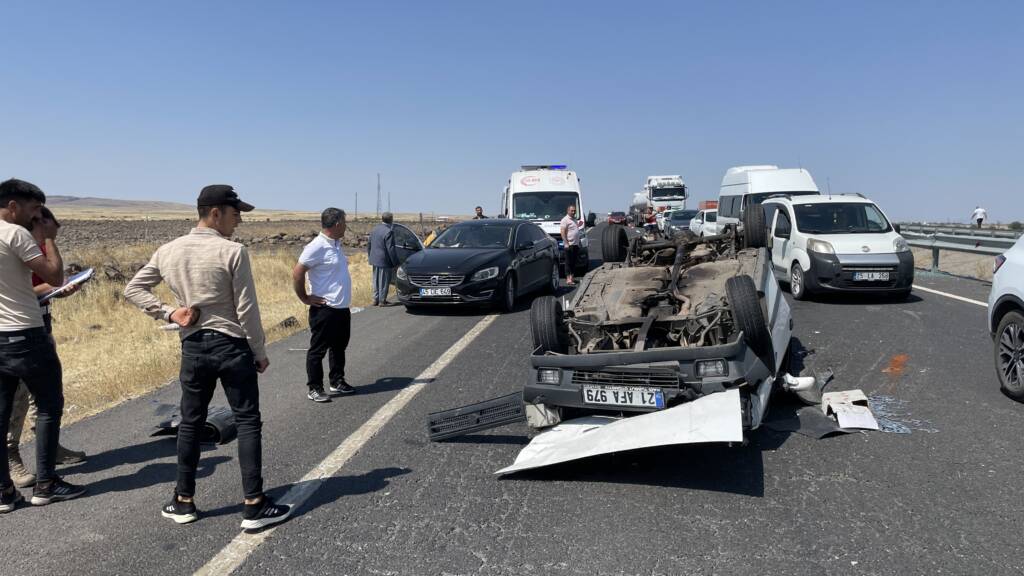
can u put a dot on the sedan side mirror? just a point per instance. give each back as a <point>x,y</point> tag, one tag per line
<point>591,219</point>
<point>524,246</point>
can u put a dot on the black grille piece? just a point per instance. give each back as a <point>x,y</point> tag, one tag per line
<point>427,280</point>
<point>476,417</point>
<point>618,377</point>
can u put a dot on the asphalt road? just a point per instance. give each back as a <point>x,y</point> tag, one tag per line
<point>940,496</point>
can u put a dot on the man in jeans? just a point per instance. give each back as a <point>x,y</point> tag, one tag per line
<point>570,229</point>
<point>330,322</point>
<point>27,353</point>
<point>221,338</point>
<point>383,257</point>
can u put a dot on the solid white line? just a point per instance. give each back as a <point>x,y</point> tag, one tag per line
<point>234,554</point>
<point>953,296</point>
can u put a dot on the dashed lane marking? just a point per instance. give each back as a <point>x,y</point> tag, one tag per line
<point>243,545</point>
<point>953,296</point>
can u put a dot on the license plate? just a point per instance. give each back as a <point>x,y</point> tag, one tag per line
<point>624,396</point>
<point>871,276</point>
<point>435,291</point>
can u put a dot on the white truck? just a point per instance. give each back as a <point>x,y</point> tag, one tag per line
<point>666,192</point>
<point>542,194</point>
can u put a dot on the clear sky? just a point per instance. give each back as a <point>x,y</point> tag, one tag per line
<point>919,105</point>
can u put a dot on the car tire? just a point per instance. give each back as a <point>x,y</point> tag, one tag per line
<point>614,244</point>
<point>1009,355</point>
<point>747,314</point>
<point>797,282</point>
<point>546,326</point>
<point>901,295</point>
<point>508,293</point>
<point>754,230</point>
<point>553,283</point>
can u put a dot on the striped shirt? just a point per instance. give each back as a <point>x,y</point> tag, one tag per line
<point>208,271</point>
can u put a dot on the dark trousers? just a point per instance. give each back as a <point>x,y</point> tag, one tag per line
<point>30,356</point>
<point>207,356</point>
<point>330,330</point>
<point>571,256</point>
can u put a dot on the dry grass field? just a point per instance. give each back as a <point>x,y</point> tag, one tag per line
<point>111,351</point>
<point>958,263</point>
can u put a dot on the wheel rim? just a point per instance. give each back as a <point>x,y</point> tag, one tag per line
<point>796,282</point>
<point>1011,356</point>
<point>510,293</point>
<point>554,277</point>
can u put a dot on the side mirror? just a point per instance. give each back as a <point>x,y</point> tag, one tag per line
<point>896,227</point>
<point>591,219</point>
<point>524,246</point>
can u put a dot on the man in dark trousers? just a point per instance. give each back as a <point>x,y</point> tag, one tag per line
<point>383,258</point>
<point>27,353</point>
<point>221,338</point>
<point>330,321</point>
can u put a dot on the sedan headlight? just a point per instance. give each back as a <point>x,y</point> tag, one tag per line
<point>401,273</point>
<point>899,244</point>
<point>485,274</point>
<point>820,246</point>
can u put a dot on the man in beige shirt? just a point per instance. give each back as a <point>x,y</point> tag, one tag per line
<point>27,353</point>
<point>221,338</point>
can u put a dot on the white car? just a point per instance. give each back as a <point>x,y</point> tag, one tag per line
<point>705,223</point>
<point>1006,319</point>
<point>836,243</point>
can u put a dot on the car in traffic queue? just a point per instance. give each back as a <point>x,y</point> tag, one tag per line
<point>705,223</point>
<point>678,221</point>
<point>493,261</point>
<point>1006,319</point>
<point>617,218</point>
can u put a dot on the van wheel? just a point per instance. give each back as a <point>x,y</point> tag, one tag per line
<point>549,334</point>
<point>754,229</point>
<point>1010,355</point>
<point>614,243</point>
<point>747,315</point>
<point>797,285</point>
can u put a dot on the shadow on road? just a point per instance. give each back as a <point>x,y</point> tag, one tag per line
<point>847,299</point>
<point>520,440</point>
<point>386,384</point>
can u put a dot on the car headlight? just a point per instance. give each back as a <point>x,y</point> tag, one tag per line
<point>551,376</point>
<point>899,244</point>
<point>401,273</point>
<point>485,274</point>
<point>712,368</point>
<point>820,246</point>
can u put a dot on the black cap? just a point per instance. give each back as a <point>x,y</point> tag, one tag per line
<point>222,195</point>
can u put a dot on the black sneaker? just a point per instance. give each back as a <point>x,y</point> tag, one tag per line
<point>318,396</point>
<point>48,492</point>
<point>263,514</point>
<point>341,388</point>
<point>9,499</point>
<point>180,512</point>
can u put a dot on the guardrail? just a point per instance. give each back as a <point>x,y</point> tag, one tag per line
<point>987,245</point>
<point>960,230</point>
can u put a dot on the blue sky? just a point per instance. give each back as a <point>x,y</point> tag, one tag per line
<point>300,104</point>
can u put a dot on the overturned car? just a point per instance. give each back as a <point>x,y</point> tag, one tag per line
<point>661,323</point>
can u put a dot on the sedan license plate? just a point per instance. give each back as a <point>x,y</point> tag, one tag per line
<point>435,291</point>
<point>871,276</point>
<point>624,396</point>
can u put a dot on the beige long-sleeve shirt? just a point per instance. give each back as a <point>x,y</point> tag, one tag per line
<point>208,271</point>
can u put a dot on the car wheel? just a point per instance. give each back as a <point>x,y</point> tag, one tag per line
<point>797,286</point>
<point>546,326</point>
<point>553,284</point>
<point>614,244</point>
<point>1010,355</point>
<point>508,297</point>
<point>754,229</point>
<point>747,315</point>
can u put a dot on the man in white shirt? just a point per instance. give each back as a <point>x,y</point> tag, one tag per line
<point>330,321</point>
<point>570,228</point>
<point>979,215</point>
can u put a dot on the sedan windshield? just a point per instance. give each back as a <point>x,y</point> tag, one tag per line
<point>683,216</point>
<point>488,236</point>
<point>547,206</point>
<point>836,218</point>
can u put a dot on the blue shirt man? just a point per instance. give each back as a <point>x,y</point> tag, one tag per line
<point>383,257</point>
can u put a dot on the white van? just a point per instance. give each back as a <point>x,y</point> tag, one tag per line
<point>744,186</point>
<point>836,243</point>
<point>542,194</point>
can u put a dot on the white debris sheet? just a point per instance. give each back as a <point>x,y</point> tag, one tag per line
<point>851,409</point>
<point>712,418</point>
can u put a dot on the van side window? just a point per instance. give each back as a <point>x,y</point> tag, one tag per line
<point>783,228</point>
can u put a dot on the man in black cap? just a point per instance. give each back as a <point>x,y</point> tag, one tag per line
<point>221,338</point>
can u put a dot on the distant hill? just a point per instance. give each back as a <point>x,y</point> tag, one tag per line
<point>76,203</point>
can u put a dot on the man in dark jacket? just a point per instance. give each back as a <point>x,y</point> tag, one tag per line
<point>383,257</point>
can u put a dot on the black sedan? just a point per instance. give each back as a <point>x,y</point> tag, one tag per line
<point>480,262</point>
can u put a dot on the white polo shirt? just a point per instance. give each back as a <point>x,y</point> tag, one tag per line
<point>328,271</point>
<point>19,308</point>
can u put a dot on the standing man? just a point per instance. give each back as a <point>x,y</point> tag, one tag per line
<point>570,229</point>
<point>383,257</point>
<point>330,321</point>
<point>979,215</point>
<point>24,405</point>
<point>27,353</point>
<point>479,214</point>
<point>221,338</point>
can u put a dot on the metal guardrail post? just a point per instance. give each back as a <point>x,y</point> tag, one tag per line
<point>935,259</point>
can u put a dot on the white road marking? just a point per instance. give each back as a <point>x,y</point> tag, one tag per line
<point>953,296</point>
<point>234,554</point>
